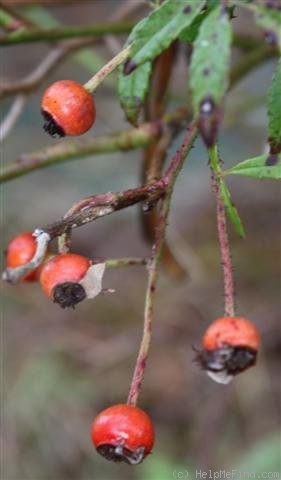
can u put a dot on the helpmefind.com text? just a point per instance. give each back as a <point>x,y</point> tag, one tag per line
<point>225,474</point>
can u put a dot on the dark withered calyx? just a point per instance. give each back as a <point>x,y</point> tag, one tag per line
<point>50,126</point>
<point>209,117</point>
<point>68,294</point>
<point>233,360</point>
<point>119,453</point>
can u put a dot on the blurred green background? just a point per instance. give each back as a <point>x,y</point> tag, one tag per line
<point>59,368</point>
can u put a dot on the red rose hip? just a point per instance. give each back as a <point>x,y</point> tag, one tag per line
<point>68,109</point>
<point>123,433</point>
<point>20,251</point>
<point>60,278</point>
<point>230,346</point>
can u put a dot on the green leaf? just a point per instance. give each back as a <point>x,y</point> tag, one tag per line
<point>189,34</point>
<point>132,90</point>
<point>157,31</point>
<point>231,209</point>
<point>274,111</point>
<point>270,20</point>
<point>210,60</point>
<point>224,192</point>
<point>209,71</point>
<point>264,166</point>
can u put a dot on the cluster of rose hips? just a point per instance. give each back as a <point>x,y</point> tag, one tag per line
<point>125,432</point>
<point>122,432</point>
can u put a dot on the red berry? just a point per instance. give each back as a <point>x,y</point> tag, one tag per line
<point>60,278</point>
<point>68,109</point>
<point>123,433</point>
<point>20,251</point>
<point>230,346</point>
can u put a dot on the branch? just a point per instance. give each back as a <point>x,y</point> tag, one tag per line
<point>222,235</point>
<point>76,149</point>
<point>125,262</point>
<point>60,52</point>
<point>48,64</point>
<point>52,34</point>
<point>108,68</point>
<point>169,179</point>
<point>130,139</point>
<point>155,154</point>
<point>97,206</point>
<point>12,116</point>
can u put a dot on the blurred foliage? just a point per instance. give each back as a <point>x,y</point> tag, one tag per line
<point>60,368</point>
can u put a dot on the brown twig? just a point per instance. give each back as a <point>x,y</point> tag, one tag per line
<point>156,152</point>
<point>125,262</point>
<point>12,116</point>
<point>169,179</point>
<point>97,206</point>
<point>77,149</point>
<point>44,68</point>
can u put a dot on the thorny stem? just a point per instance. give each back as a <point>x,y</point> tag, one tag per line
<point>88,210</point>
<point>73,149</point>
<point>155,154</point>
<point>169,178</point>
<point>222,235</point>
<point>125,262</point>
<point>97,206</point>
<point>94,82</point>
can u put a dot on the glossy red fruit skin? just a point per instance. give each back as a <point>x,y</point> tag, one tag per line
<point>231,331</point>
<point>126,426</point>
<point>20,251</point>
<point>67,267</point>
<point>68,106</point>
